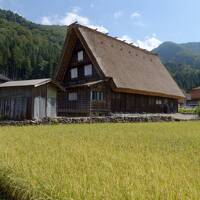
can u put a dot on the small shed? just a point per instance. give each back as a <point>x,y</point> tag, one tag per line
<point>28,99</point>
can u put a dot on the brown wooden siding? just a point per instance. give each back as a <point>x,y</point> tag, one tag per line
<point>195,94</point>
<point>103,106</point>
<point>19,103</point>
<point>134,103</point>
<point>16,103</point>
<point>113,102</point>
<point>80,106</point>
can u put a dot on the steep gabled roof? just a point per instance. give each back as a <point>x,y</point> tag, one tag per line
<point>131,68</point>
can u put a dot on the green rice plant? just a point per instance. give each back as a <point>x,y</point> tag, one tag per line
<point>101,161</point>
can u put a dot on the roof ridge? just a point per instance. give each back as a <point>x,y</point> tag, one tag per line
<point>76,24</point>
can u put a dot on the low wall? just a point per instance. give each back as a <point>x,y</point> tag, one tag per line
<point>88,120</point>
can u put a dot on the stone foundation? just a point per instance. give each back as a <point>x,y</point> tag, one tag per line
<point>88,120</point>
<point>115,118</point>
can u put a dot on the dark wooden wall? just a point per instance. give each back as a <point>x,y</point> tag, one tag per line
<point>135,103</point>
<point>16,103</point>
<point>103,106</point>
<point>113,102</point>
<point>195,94</point>
<point>96,74</point>
<point>79,107</point>
<point>19,103</point>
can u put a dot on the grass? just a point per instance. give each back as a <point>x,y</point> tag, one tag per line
<point>101,161</point>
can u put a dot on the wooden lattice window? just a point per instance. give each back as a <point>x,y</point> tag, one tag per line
<point>74,73</point>
<point>80,56</point>
<point>88,70</point>
<point>97,96</point>
<point>73,96</point>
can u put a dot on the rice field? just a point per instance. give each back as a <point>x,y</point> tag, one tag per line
<point>101,161</point>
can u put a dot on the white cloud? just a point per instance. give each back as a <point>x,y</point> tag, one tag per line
<point>20,14</point>
<point>118,14</point>
<point>135,15</point>
<point>70,18</point>
<point>149,43</point>
<point>47,20</point>
<point>126,38</point>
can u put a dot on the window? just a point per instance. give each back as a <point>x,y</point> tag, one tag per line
<point>88,70</point>
<point>80,56</point>
<point>73,96</point>
<point>97,96</point>
<point>74,73</point>
<point>158,102</point>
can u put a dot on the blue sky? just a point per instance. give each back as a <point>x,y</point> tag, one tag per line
<point>147,23</point>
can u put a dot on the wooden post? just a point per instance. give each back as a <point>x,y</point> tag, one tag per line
<point>90,112</point>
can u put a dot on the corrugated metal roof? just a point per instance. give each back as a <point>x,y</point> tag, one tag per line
<point>34,83</point>
<point>4,78</point>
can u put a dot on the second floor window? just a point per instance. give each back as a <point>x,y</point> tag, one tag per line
<point>74,73</point>
<point>80,56</point>
<point>88,70</point>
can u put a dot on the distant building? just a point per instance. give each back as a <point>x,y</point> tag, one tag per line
<point>29,99</point>
<point>195,97</point>
<point>103,75</point>
<point>184,102</point>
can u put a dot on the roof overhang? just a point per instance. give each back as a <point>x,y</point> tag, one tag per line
<point>148,93</point>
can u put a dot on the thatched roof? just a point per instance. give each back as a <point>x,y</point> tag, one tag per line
<point>131,68</point>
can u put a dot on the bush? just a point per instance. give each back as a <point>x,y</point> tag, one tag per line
<point>197,110</point>
<point>186,110</point>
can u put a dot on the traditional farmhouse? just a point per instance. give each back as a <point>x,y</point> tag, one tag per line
<point>103,75</point>
<point>29,99</point>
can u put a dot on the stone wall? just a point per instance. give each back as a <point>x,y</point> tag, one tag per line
<point>88,120</point>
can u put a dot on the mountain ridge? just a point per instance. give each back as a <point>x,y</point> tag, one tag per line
<point>182,61</point>
<point>28,50</point>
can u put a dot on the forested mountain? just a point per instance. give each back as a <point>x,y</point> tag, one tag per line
<point>183,61</point>
<point>28,50</point>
